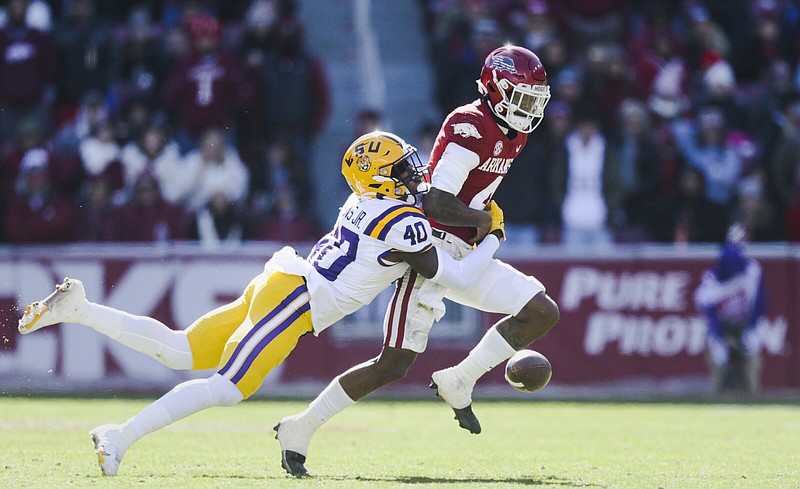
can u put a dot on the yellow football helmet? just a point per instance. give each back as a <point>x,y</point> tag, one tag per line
<point>380,164</point>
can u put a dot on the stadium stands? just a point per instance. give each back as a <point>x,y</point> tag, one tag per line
<point>698,104</point>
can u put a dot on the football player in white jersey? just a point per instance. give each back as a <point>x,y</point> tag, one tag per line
<point>378,235</point>
<point>474,149</point>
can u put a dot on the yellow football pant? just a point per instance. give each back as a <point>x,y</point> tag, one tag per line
<point>249,337</point>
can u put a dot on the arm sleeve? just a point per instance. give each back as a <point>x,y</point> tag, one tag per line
<point>453,168</point>
<point>457,274</point>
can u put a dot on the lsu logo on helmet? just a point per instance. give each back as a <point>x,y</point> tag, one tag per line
<point>466,130</point>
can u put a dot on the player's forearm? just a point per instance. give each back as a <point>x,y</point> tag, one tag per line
<point>445,208</point>
<point>458,274</point>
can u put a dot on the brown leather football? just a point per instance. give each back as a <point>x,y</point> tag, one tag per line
<point>528,371</point>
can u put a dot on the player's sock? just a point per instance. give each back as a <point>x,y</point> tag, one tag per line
<point>143,334</point>
<point>185,399</point>
<point>492,350</point>
<point>295,432</point>
<point>328,404</point>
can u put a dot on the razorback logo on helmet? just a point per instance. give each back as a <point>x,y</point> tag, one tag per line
<point>467,130</point>
<point>503,63</point>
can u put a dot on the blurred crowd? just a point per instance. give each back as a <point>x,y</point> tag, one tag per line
<point>669,120</point>
<point>156,121</point>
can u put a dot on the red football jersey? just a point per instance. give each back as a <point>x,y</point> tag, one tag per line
<point>472,128</point>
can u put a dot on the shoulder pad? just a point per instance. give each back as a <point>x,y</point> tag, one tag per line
<point>380,226</point>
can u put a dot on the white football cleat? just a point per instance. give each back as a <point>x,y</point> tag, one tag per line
<point>67,304</point>
<point>108,448</point>
<point>294,435</point>
<point>452,389</point>
<point>458,395</point>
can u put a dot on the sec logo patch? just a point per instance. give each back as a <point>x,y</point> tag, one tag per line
<point>498,147</point>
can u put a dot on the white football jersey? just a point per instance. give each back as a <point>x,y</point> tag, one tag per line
<point>350,260</point>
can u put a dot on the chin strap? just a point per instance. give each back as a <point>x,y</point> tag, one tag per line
<point>497,119</point>
<point>410,199</point>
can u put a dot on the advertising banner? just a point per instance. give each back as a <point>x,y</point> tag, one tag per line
<point>627,320</point>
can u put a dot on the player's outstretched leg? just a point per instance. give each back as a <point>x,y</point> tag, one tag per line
<point>67,304</point>
<point>111,441</point>
<point>109,448</point>
<point>455,392</point>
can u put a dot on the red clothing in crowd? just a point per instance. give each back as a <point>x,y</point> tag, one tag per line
<point>29,220</point>
<point>66,172</point>
<point>159,222</point>
<point>27,66</point>
<point>206,90</point>
<point>295,228</point>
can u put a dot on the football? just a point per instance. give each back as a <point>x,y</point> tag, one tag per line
<point>528,371</point>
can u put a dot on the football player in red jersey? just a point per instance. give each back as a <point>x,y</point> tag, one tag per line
<point>474,149</point>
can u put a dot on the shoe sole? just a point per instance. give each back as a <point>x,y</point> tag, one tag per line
<point>100,454</point>
<point>45,305</point>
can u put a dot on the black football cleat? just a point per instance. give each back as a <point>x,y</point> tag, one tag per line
<point>465,417</point>
<point>293,463</point>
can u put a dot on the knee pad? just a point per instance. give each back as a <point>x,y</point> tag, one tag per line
<point>223,392</point>
<point>177,353</point>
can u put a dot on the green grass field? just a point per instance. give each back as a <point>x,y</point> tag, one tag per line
<point>45,443</point>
